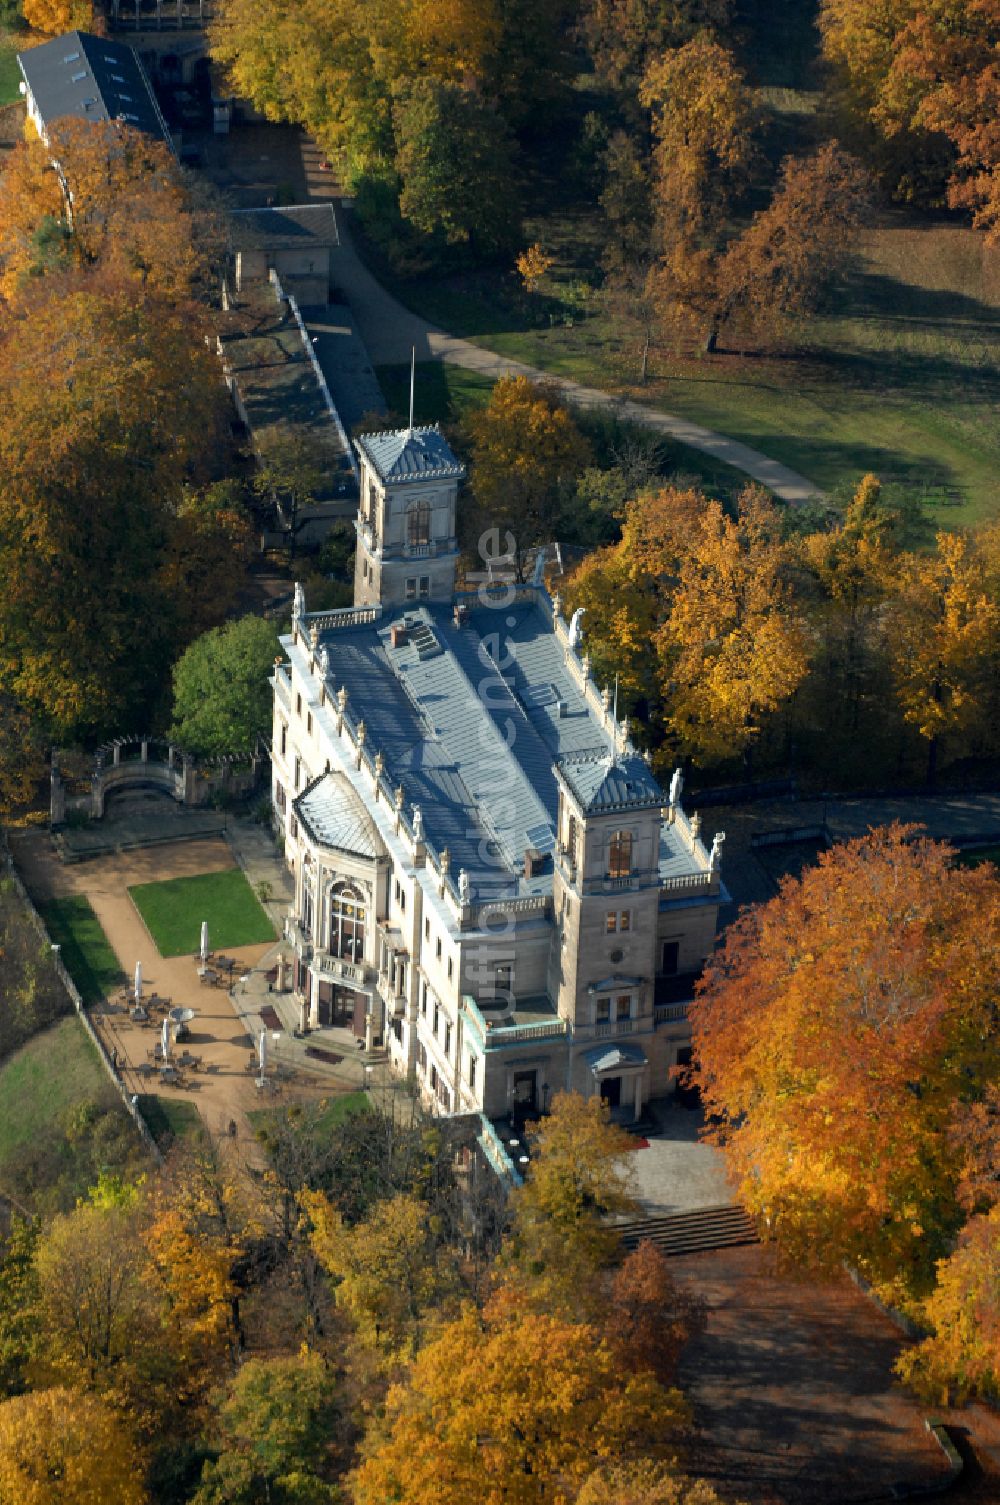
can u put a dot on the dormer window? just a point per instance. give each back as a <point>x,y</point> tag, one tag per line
<point>620,855</point>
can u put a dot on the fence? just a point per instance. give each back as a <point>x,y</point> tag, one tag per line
<point>77,1002</point>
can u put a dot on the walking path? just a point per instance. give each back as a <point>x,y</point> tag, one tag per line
<point>391,331</point>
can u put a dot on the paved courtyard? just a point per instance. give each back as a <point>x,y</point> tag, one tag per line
<point>227,1022</point>
<point>792,1390</point>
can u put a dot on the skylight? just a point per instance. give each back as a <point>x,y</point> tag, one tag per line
<point>78,78</point>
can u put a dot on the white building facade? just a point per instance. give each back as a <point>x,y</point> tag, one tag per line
<point>489,881</point>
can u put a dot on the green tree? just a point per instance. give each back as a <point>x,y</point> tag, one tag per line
<point>276,1428</point>
<point>222,694</point>
<point>455,161</point>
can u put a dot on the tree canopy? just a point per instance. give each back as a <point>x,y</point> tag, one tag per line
<point>845,1032</point>
<point>222,691</point>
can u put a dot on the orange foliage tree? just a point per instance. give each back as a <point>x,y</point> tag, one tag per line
<point>844,1032</point>
<point>518,1412</point>
<point>53,17</point>
<point>118,199</point>
<point>60,1445</point>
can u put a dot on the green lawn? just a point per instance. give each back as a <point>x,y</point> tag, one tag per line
<point>88,958</point>
<point>169,1118</point>
<point>973,856</point>
<point>10,73</point>
<point>902,377</point>
<point>332,1112</point>
<point>55,1070</point>
<point>173,912</point>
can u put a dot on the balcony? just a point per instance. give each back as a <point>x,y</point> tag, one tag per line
<point>337,966</point>
<point>670,1013</point>
<point>605,1029</point>
<point>419,550</point>
<point>538,1023</point>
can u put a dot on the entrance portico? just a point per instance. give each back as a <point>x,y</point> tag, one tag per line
<point>618,1073</point>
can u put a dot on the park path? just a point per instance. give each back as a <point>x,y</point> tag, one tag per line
<point>391,331</point>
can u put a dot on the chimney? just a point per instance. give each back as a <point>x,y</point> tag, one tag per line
<point>398,636</point>
<point>534,862</point>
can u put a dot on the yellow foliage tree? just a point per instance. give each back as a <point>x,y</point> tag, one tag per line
<point>58,1447</point>
<point>645,1483</point>
<point>518,1413</point>
<point>389,1269</point>
<point>946,634</point>
<point>621,618</point>
<point>532,266</point>
<point>962,1355</point>
<point>734,643</point>
<point>53,17</point>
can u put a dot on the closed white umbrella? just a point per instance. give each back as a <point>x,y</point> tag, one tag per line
<point>166,1039</point>
<point>204,940</point>
<point>262,1051</point>
<point>138,981</point>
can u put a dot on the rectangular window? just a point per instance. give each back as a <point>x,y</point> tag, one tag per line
<point>298,705</point>
<point>625,920</point>
<point>425,586</point>
<point>434,1078</point>
<point>411,590</point>
<point>309,724</point>
<point>438,949</point>
<point>620,855</point>
<point>502,981</point>
<point>602,1010</point>
<point>670,958</point>
<point>472,1071</point>
<point>279,797</point>
<point>293,828</point>
<point>423,999</point>
<point>427,930</point>
<point>611,923</point>
<point>422,1056</point>
<point>437,1015</point>
<point>451,968</point>
<point>447,1040</point>
<point>623,1006</point>
<point>298,772</point>
<point>284,738</point>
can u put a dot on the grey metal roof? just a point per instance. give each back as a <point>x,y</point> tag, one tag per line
<point>418,454</point>
<point>91,78</point>
<point>608,1057</point>
<point>334,816</point>
<point>471,721</point>
<point>284,229</point>
<point>600,783</point>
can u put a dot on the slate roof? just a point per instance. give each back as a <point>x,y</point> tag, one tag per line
<point>91,78</point>
<point>608,1057</point>
<point>332,814</point>
<point>289,229</point>
<point>473,745</point>
<point>600,784</point>
<point>419,454</point>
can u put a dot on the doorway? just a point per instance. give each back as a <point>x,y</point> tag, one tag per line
<point>611,1090</point>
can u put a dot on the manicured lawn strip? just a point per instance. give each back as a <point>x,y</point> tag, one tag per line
<point>10,73</point>
<point>168,1118</point>
<point>173,912</point>
<point>334,1111</point>
<point>973,856</point>
<point>86,953</point>
<point>57,1068</point>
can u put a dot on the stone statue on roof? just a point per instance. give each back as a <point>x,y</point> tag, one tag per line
<point>324,662</point>
<point>576,627</point>
<point>298,602</point>
<point>676,785</point>
<point>418,824</point>
<point>464,886</point>
<point>715,856</point>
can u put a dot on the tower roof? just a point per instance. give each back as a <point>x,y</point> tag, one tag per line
<point>602,785</point>
<point>418,454</point>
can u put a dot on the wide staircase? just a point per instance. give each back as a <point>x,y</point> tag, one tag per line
<point>692,1232</point>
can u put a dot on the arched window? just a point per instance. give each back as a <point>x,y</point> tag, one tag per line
<point>347,923</point>
<point>620,855</point>
<point>418,525</point>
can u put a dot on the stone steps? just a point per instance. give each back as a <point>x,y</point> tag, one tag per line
<point>703,1229</point>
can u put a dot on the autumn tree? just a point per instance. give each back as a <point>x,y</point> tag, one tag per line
<point>962,1355</point>
<point>650,1319</point>
<point>620,623</point>
<point>644,1482</point>
<point>945,632</point>
<point>455,161</point>
<point>733,641</point>
<point>274,1435</point>
<point>796,250</point>
<point>210,543</point>
<point>53,17</point>
<point>526,451</point>
<point>516,1413</point>
<point>106,405</point>
<point>624,36</point>
<point>389,1270</point>
<point>845,1032</point>
<point>579,1177</point>
<point>222,693</point>
<point>118,200</point>
<point>59,1445</point>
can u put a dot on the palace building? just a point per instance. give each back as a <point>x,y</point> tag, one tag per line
<point>489,881</point>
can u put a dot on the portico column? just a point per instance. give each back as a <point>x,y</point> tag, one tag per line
<point>313,1000</point>
<point>638,1095</point>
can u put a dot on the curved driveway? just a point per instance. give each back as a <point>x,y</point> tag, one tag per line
<point>391,331</point>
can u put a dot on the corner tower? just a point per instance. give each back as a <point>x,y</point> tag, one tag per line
<point>407,545</point>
